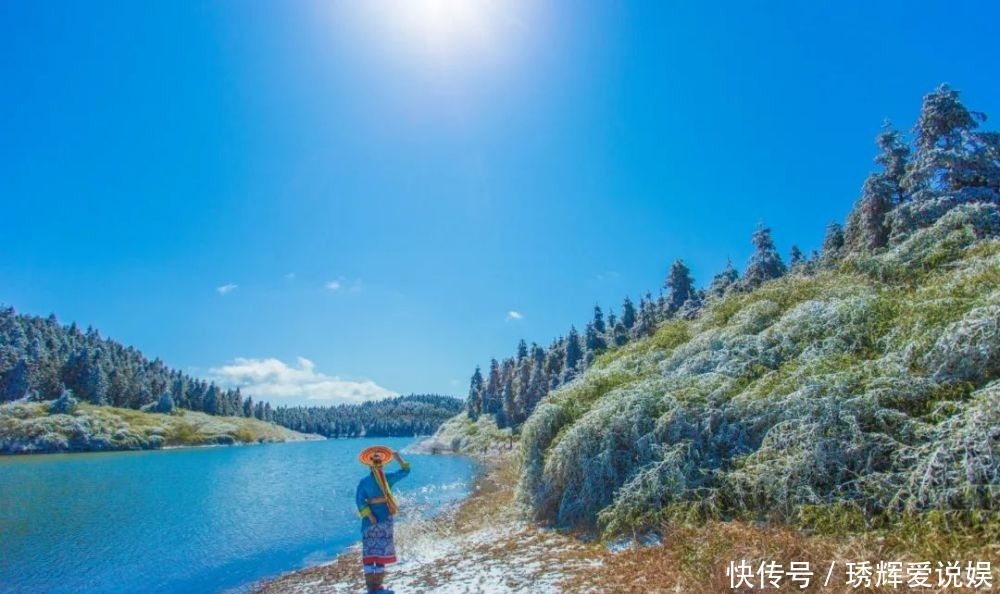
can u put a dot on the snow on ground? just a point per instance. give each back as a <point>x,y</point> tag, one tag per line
<point>479,547</point>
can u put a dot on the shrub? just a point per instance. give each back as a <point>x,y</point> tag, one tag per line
<point>63,405</point>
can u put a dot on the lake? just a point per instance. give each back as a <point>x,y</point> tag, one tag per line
<point>193,521</point>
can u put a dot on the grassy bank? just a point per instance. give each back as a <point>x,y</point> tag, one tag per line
<point>28,427</point>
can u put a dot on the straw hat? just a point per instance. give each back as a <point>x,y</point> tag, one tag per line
<point>366,455</point>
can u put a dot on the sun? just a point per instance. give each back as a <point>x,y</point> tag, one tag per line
<point>446,28</point>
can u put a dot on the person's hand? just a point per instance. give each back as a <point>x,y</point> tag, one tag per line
<point>371,518</point>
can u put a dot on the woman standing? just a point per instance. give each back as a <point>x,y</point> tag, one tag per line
<point>377,506</point>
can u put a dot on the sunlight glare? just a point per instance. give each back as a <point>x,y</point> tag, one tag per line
<point>448,29</point>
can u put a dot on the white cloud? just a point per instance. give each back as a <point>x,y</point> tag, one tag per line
<point>342,283</point>
<point>274,380</point>
<point>514,315</point>
<point>226,289</point>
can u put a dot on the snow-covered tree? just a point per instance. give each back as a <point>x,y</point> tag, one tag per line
<point>949,154</point>
<point>680,286</point>
<point>574,353</point>
<point>165,404</point>
<point>628,313</point>
<point>866,226</point>
<point>474,401</point>
<point>492,398</point>
<point>796,259</point>
<point>833,243</point>
<point>65,404</point>
<point>14,383</point>
<point>765,263</point>
<point>723,281</point>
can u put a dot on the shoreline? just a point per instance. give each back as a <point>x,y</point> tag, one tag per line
<point>305,437</point>
<point>499,551</point>
<point>484,545</point>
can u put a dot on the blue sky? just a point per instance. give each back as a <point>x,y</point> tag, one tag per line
<point>381,182</point>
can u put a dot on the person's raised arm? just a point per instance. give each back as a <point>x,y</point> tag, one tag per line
<point>404,469</point>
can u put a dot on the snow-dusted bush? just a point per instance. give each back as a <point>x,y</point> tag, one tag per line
<point>957,465</point>
<point>969,349</point>
<point>63,405</point>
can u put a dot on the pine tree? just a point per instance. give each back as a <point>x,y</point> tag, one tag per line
<point>522,349</point>
<point>522,391</point>
<point>474,402</point>
<point>574,353</point>
<point>866,228</point>
<point>598,322</point>
<point>248,407</point>
<point>765,263</point>
<point>724,281</point>
<point>593,339</point>
<point>833,243</point>
<point>680,286</point>
<point>14,382</point>
<point>796,260</point>
<point>866,225</point>
<point>508,407</point>
<point>554,359</point>
<point>646,320</point>
<point>949,155</point>
<point>538,383</point>
<point>894,157</point>
<point>619,334</point>
<point>628,314</point>
<point>492,402</point>
<point>211,402</point>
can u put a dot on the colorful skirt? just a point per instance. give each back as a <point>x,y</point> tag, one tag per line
<point>376,543</point>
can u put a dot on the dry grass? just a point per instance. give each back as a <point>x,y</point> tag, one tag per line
<point>694,560</point>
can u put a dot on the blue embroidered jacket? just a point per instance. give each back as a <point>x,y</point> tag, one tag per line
<point>369,489</point>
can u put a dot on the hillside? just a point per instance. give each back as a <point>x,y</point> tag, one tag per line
<point>33,427</point>
<point>848,392</point>
<point>41,358</point>
<point>858,392</point>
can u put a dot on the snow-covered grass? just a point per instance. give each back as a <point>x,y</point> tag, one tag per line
<point>863,387</point>
<point>462,435</point>
<point>27,427</point>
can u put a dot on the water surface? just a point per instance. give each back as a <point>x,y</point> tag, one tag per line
<point>191,521</point>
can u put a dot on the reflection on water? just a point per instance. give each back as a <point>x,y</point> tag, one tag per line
<point>197,520</point>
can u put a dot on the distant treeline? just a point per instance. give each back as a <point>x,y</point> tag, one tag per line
<point>40,359</point>
<point>416,414</point>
